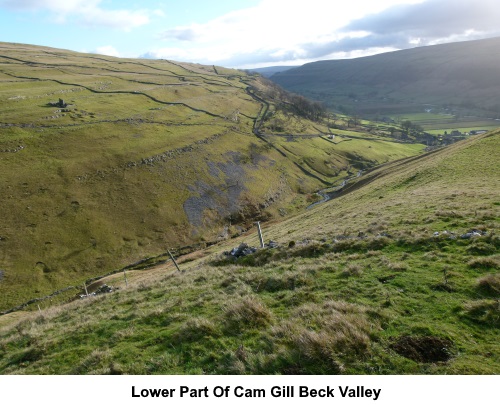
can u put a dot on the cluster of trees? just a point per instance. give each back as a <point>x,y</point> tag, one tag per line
<point>313,110</point>
<point>300,105</point>
<point>410,128</point>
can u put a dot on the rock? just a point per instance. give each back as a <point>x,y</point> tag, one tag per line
<point>248,251</point>
<point>237,252</point>
<point>61,104</point>
<point>242,250</point>
<point>104,289</point>
<point>272,244</point>
<point>473,233</point>
<point>451,235</point>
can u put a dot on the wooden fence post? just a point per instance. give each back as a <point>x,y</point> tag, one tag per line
<point>172,257</point>
<point>260,235</point>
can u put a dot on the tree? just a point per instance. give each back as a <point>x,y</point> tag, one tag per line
<point>405,126</point>
<point>354,121</point>
<point>417,128</point>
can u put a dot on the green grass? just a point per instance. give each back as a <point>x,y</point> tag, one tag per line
<point>147,155</point>
<point>439,123</point>
<point>359,285</point>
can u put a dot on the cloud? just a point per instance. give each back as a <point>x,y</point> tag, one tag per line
<point>275,32</point>
<point>183,33</point>
<point>107,50</point>
<point>431,22</point>
<point>123,19</point>
<point>284,32</point>
<point>169,53</point>
<point>85,12</point>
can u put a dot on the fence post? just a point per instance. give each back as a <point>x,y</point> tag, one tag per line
<point>86,292</point>
<point>260,234</point>
<point>172,257</point>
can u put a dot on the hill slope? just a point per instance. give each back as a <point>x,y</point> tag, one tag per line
<point>386,279</point>
<point>462,75</point>
<point>106,161</point>
<point>270,70</point>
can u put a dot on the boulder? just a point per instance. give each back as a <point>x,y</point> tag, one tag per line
<point>242,250</point>
<point>473,233</point>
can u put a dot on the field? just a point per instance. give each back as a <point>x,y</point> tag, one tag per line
<point>398,275</point>
<point>107,161</point>
<point>439,123</point>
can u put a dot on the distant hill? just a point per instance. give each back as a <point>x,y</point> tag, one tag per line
<point>271,70</point>
<point>462,76</point>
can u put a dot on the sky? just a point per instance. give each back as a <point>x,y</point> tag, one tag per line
<point>245,33</point>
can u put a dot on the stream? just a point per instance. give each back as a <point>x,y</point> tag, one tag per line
<point>330,192</point>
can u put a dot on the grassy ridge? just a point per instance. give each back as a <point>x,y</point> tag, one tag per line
<point>377,281</point>
<point>147,154</point>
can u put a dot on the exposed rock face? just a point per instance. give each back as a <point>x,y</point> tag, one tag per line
<point>224,199</point>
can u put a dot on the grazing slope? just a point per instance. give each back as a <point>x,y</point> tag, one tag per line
<point>399,275</point>
<point>462,75</point>
<point>106,161</point>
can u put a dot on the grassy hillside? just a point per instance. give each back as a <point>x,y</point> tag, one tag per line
<point>106,161</point>
<point>460,78</point>
<point>399,274</point>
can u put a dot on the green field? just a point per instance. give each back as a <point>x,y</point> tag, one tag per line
<point>439,123</point>
<point>380,280</point>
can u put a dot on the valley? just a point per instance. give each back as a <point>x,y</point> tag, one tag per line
<point>453,84</point>
<point>397,275</point>
<point>111,165</point>
<point>106,161</point>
